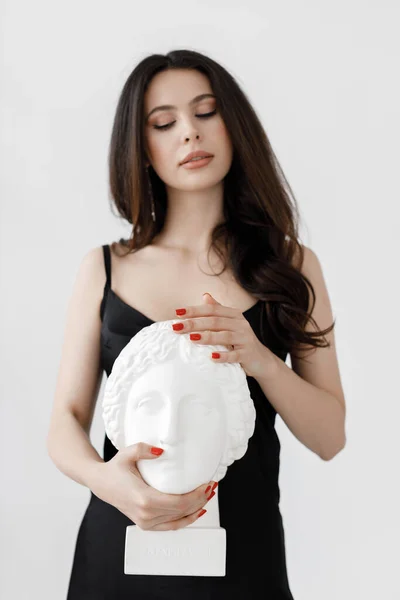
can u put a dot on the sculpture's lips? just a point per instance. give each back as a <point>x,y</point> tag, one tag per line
<point>170,456</point>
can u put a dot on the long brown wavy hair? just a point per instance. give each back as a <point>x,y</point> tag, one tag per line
<point>259,238</point>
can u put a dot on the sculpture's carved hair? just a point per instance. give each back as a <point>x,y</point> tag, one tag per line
<point>156,344</point>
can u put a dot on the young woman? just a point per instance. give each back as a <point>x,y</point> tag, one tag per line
<point>226,225</point>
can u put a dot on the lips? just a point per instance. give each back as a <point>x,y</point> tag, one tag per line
<point>197,153</point>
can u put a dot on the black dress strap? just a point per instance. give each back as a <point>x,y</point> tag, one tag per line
<point>107,264</point>
<point>107,285</point>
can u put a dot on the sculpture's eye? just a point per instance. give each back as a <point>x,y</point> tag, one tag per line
<point>198,407</point>
<point>202,409</point>
<point>150,405</point>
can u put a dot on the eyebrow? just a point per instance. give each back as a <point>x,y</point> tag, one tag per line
<point>171,106</point>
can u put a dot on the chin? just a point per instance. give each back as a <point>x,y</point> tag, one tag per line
<point>168,478</point>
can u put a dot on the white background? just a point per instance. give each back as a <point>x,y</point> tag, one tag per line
<point>323,77</point>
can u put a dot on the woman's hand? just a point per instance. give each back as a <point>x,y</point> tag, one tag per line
<point>118,482</point>
<point>218,324</point>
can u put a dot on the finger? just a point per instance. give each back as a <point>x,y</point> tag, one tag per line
<point>222,338</point>
<point>210,324</point>
<point>203,310</point>
<point>232,356</point>
<point>177,504</point>
<point>179,523</point>
<point>134,452</point>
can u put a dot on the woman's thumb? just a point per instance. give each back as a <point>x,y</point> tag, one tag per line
<point>143,450</point>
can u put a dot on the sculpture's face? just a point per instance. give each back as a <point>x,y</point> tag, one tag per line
<point>173,406</point>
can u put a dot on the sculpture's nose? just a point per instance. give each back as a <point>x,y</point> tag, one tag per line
<point>170,432</point>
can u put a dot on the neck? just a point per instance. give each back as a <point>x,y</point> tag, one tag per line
<point>191,217</point>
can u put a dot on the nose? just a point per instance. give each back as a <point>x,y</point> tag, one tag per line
<point>170,432</point>
<point>191,133</point>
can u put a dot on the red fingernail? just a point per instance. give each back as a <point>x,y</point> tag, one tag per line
<point>180,311</point>
<point>201,513</point>
<point>208,489</point>
<point>195,336</point>
<point>157,451</point>
<point>215,355</point>
<point>214,486</point>
<point>177,326</point>
<point>210,496</point>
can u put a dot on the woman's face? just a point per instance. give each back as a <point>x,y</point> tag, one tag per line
<point>167,147</point>
<point>177,408</point>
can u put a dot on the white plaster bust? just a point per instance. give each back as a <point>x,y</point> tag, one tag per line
<point>165,390</point>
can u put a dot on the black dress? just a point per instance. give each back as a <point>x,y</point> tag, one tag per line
<point>248,501</point>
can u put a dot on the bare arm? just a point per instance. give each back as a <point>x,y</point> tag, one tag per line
<point>79,376</point>
<point>309,396</point>
<point>72,452</point>
<point>116,481</point>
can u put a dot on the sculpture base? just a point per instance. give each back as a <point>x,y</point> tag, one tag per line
<point>187,551</point>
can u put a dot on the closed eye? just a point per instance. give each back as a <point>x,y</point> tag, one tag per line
<point>168,125</point>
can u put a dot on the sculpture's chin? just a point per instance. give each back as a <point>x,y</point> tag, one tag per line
<point>168,479</point>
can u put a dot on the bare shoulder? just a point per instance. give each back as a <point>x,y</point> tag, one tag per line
<point>93,261</point>
<point>91,275</point>
<point>312,269</point>
<point>320,366</point>
<point>310,266</point>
